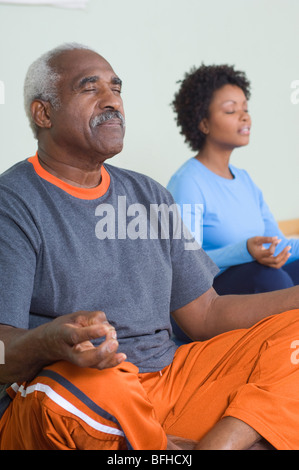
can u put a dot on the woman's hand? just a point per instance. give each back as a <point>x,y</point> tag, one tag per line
<point>265,256</point>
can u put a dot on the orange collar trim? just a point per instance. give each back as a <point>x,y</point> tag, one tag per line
<point>81,193</point>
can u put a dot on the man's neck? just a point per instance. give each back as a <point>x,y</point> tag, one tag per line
<point>76,174</point>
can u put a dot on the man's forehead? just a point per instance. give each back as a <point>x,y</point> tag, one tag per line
<point>79,63</point>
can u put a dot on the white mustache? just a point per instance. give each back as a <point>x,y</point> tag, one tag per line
<point>106,116</point>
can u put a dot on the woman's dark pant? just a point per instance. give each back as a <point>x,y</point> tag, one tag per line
<point>251,278</point>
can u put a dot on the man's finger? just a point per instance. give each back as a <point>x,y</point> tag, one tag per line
<point>102,356</point>
<point>86,318</point>
<point>75,334</point>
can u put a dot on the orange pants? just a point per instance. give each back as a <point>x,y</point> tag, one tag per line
<point>250,374</point>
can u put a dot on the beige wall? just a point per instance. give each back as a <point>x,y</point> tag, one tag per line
<point>150,45</point>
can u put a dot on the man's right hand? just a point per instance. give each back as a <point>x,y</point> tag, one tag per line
<point>69,338</point>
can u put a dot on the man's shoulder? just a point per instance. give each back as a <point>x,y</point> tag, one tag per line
<point>17,188</point>
<point>16,173</point>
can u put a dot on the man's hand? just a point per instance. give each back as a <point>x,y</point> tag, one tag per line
<point>69,338</point>
<point>265,256</point>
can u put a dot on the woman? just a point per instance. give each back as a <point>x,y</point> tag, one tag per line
<point>239,232</point>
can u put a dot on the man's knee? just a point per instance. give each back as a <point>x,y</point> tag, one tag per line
<point>99,385</point>
<point>66,406</point>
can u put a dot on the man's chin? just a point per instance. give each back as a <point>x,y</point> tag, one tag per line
<point>111,151</point>
<point>111,141</point>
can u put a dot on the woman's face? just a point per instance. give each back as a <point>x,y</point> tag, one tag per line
<point>228,124</point>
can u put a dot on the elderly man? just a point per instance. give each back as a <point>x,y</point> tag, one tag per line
<point>89,278</point>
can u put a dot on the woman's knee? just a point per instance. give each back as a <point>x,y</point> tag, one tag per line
<point>267,279</point>
<point>292,269</point>
<point>251,278</point>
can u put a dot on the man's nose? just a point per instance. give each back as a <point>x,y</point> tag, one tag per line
<point>109,99</point>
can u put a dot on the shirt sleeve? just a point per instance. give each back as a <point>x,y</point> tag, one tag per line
<point>191,201</point>
<point>224,257</point>
<point>231,255</point>
<point>193,271</point>
<point>17,267</point>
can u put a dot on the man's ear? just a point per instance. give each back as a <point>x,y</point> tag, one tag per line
<point>203,126</point>
<point>40,111</point>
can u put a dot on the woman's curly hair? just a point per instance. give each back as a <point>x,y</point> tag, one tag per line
<point>191,103</point>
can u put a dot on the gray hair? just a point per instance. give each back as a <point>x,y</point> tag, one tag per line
<point>41,81</point>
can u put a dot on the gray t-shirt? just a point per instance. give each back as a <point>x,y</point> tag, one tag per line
<point>63,249</point>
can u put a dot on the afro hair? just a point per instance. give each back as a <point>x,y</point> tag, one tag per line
<point>191,103</point>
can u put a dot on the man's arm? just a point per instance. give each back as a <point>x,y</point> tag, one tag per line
<point>211,314</point>
<point>65,338</point>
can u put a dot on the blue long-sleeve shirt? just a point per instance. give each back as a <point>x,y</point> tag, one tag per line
<point>233,210</point>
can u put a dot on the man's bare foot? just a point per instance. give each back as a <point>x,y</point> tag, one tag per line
<point>180,443</point>
<point>262,445</point>
<point>229,434</point>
